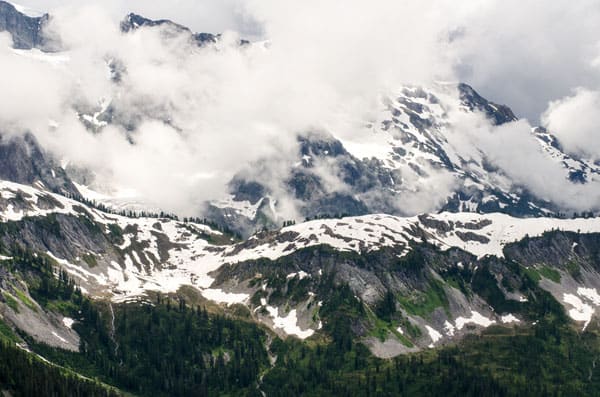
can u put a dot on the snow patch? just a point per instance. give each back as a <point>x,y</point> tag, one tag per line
<point>590,293</point>
<point>476,318</point>
<point>68,322</point>
<point>449,328</point>
<point>580,311</point>
<point>220,296</point>
<point>301,274</point>
<point>59,337</point>
<point>509,318</point>
<point>289,323</point>
<point>433,334</point>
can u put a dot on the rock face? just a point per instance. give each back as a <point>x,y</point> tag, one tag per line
<point>23,161</point>
<point>26,31</point>
<point>135,21</point>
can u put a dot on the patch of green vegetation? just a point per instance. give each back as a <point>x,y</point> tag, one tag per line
<point>453,282</point>
<point>549,273</point>
<point>48,224</point>
<point>115,233</point>
<point>297,289</point>
<point>90,259</point>
<point>25,299</point>
<point>574,269</point>
<point>403,339</point>
<point>412,329</point>
<point>424,303</point>
<point>381,328</point>
<point>93,227</point>
<point>485,284</point>
<point>11,302</point>
<point>25,374</point>
<point>386,307</point>
<point>380,331</point>
<point>507,285</point>
<point>6,333</point>
<point>64,307</point>
<point>532,273</point>
<point>411,263</point>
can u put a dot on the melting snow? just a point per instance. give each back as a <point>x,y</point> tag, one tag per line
<point>68,322</point>
<point>580,311</point>
<point>509,318</point>
<point>476,318</point>
<point>590,293</point>
<point>244,208</point>
<point>59,337</point>
<point>449,328</point>
<point>218,295</point>
<point>289,323</point>
<point>192,259</point>
<point>433,334</point>
<point>301,274</point>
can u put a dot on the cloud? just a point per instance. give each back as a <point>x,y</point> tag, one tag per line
<point>31,91</point>
<point>211,16</point>
<point>527,53</point>
<point>518,156</point>
<point>192,117</point>
<point>575,121</point>
<point>189,118</point>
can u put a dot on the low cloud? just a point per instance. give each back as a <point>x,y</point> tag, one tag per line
<point>575,121</point>
<point>189,118</point>
<point>516,153</point>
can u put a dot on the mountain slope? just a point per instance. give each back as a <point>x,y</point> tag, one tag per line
<point>120,258</point>
<point>26,31</point>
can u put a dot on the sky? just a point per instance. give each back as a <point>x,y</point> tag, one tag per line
<point>325,66</point>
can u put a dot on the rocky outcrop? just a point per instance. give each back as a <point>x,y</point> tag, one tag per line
<point>23,161</point>
<point>26,31</point>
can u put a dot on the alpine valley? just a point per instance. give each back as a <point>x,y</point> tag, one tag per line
<point>493,291</point>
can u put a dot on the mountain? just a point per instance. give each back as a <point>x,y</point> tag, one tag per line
<point>489,293</point>
<point>407,144</point>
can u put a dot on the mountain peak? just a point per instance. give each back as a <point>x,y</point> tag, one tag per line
<point>135,21</point>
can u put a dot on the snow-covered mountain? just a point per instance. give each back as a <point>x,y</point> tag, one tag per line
<point>411,146</point>
<point>484,254</point>
<point>122,259</point>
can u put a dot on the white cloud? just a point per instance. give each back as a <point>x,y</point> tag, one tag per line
<point>516,153</point>
<point>211,16</point>
<point>575,121</point>
<point>200,115</point>
<point>527,53</point>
